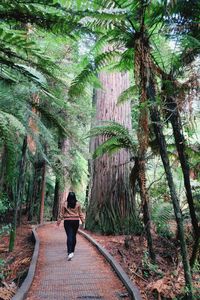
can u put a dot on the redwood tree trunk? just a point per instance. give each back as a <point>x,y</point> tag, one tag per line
<point>110,207</point>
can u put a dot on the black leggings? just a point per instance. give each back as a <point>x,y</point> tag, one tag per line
<point>71,228</point>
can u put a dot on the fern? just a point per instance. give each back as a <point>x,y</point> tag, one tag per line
<point>162,214</point>
<point>10,131</point>
<point>88,75</point>
<point>130,94</point>
<point>112,145</point>
<point>117,137</point>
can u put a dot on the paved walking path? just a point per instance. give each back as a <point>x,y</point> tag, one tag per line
<point>87,276</point>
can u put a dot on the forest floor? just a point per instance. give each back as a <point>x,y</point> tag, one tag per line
<point>163,280</point>
<point>14,265</point>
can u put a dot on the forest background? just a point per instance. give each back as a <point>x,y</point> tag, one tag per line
<point>102,98</point>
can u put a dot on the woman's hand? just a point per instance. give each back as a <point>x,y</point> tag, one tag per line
<point>58,222</point>
<point>82,225</point>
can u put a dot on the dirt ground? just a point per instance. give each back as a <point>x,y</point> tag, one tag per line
<point>14,265</point>
<point>163,280</point>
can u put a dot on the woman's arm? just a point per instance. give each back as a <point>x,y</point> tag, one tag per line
<point>81,214</point>
<point>60,217</point>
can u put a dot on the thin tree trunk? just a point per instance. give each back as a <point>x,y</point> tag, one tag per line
<point>61,189</point>
<point>21,178</point>
<point>175,120</point>
<point>35,191</point>
<point>43,192</point>
<point>141,60</point>
<point>155,118</point>
<point>145,206</point>
<point>18,194</point>
<point>3,167</point>
<point>56,200</point>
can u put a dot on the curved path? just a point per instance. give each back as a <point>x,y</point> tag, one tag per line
<point>88,276</point>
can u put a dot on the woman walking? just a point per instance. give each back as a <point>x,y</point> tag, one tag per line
<point>71,213</point>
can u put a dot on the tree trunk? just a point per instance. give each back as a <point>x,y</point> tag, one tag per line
<point>21,179</point>
<point>56,200</point>
<point>111,208</point>
<point>175,120</point>
<point>155,118</point>
<point>43,192</point>
<point>141,61</point>
<point>18,194</point>
<point>36,189</point>
<point>61,189</point>
<point>3,168</point>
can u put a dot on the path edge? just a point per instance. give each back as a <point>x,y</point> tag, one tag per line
<point>24,288</point>
<point>132,289</point>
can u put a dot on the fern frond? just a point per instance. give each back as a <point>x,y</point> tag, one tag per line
<point>10,130</point>
<point>88,75</point>
<point>164,212</point>
<point>128,95</point>
<point>110,129</point>
<point>51,17</point>
<point>110,146</point>
<point>116,135</point>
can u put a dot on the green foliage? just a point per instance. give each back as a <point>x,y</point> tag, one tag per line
<point>109,221</point>
<point>89,74</point>
<point>4,205</point>
<point>116,137</point>
<point>129,94</point>
<point>5,229</point>
<point>150,269</point>
<point>162,214</point>
<point>2,265</point>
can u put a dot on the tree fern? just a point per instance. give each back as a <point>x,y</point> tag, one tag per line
<point>88,75</point>
<point>130,94</point>
<point>116,137</point>
<point>112,145</point>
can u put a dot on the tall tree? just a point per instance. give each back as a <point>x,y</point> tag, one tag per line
<point>111,207</point>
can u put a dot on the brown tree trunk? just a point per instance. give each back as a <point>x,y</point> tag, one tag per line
<point>141,62</point>
<point>35,191</point>
<point>43,192</point>
<point>56,201</point>
<point>3,167</point>
<point>110,207</point>
<point>158,130</point>
<point>175,120</point>
<point>61,190</point>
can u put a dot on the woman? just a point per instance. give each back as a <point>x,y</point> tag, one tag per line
<point>71,214</point>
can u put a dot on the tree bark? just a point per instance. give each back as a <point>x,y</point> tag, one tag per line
<point>175,120</point>
<point>43,192</point>
<point>56,201</point>
<point>111,207</point>
<point>155,118</point>
<point>36,189</point>
<point>61,190</point>
<point>3,168</point>
<point>141,62</point>
<point>18,195</point>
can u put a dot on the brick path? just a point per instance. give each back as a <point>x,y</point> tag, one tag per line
<point>87,276</point>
